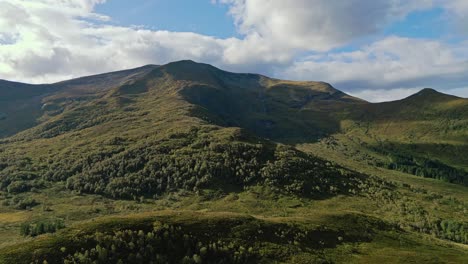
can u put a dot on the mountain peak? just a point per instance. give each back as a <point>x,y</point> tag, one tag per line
<point>188,66</point>
<point>428,91</point>
<point>187,63</point>
<point>184,62</point>
<point>430,95</point>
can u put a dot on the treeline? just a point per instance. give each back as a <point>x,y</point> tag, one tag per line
<point>419,166</point>
<point>427,168</point>
<point>453,230</point>
<point>178,239</point>
<point>164,244</point>
<point>190,161</point>
<point>20,203</point>
<point>41,227</point>
<point>156,170</point>
<point>19,174</point>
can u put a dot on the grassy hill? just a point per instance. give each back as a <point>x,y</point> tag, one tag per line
<point>424,134</point>
<point>23,106</point>
<point>330,174</point>
<point>189,237</point>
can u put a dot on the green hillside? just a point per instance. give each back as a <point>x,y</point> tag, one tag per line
<point>300,171</point>
<point>424,134</point>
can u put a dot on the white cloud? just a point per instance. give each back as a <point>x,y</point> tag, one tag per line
<point>457,9</point>
<point>318,25</point>
<point>382,95</point>
<point>386,64</point>
<point>47,40</point>
<point>385,95</point>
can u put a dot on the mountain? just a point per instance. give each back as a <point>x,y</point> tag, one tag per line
<point>180,150</point>
<point>425,134</point>
<point>22,105</point>
<point>269,107</point>
<point>184,109</point>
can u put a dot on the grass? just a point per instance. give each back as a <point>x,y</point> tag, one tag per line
<point>258,202</point>
<point>366,241</point>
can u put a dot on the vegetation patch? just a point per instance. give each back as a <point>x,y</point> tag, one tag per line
<point>188,238</point>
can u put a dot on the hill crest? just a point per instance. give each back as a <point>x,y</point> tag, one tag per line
<point>269,107</point>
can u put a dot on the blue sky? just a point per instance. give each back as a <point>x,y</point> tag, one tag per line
<point>376,49</point>
<point>428,23</point>
<point>205,17</point>
<point>200,16</point>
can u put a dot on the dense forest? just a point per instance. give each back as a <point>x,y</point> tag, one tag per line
<point>186,238</point>
<point>427,168</point>
<point>420,166</point>
<point>188,161</point>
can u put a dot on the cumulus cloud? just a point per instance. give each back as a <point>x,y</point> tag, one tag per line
<point>48,41</point>
<point>382,95</point>
<point>389,63</point>
<point>318,25</point>
<point>52,40</point>
<point>457,9</point>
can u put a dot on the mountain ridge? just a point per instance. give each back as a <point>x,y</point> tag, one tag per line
<point>179,65</point>
<point>189,65</point>
<point>59,95</point>
<point>261,104</point>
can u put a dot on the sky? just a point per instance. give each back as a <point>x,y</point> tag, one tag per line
<point>378,50</point>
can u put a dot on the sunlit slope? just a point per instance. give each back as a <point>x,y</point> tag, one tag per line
<point>426,116</point>
<point>194,237</point>
<point>425,134</point>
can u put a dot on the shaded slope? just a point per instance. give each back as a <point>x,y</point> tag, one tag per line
<point>281,110</point>
<point>284,111</point>
<point>23,106</point>
<point>20,106</point>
